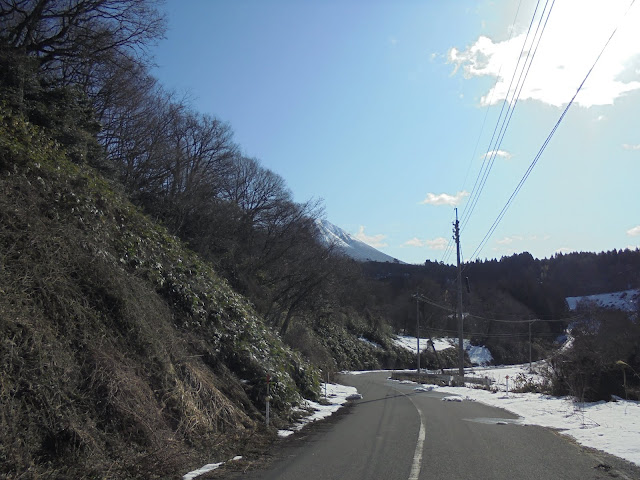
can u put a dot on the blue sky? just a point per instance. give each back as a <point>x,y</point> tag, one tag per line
<point>385,110</point>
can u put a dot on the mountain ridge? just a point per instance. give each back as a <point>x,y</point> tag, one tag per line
<point>332,235</point>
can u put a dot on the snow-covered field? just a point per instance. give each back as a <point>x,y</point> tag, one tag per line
<point>613,427</point>
<point>626,300</point>
<point>410,343</point>
<point>477,354</point>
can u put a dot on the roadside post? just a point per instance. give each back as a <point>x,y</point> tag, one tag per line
<point>507,385</point>
<point>268,399</point>
<point>325,385</point>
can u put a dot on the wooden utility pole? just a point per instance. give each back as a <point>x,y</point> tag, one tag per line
<point>456,232</point>
<point>418,327</point>
<point>530,344</point>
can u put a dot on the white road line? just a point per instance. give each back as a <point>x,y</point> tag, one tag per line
<point>417,456</point>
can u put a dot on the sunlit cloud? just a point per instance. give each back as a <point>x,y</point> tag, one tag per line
<point>634,232</point>
<point>375,241</point>
<point>444,199</point>
<point>626,146</point>
<point>498,153</point>
<point>574,36</point>
<point>439,243</point>
<point>509,240</point>
<point>414,242</point>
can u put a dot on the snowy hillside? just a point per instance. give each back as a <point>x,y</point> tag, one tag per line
<point>626,300</point>
<point>349,245</point>
<point>478,355</point>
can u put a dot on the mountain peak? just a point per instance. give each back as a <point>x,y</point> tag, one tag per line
<point>330,234</point>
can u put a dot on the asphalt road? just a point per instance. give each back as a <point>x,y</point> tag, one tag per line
<point>396,433</point>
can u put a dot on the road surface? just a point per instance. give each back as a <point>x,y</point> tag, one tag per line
<point>396,433</point>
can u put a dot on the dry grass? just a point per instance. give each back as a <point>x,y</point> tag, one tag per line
<point>107,369</point>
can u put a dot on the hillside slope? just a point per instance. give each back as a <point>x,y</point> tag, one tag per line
<point>122,355</point>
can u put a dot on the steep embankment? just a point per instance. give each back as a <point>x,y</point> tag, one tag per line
<point>121,353</point>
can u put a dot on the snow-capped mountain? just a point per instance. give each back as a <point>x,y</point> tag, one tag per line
<point>330,234</point>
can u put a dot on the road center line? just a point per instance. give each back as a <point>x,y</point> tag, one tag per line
<point>417,456</point>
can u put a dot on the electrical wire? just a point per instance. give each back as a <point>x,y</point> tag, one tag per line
<point>563,320</point>
<point>474,194</point>
<point>449,248</point>
<point>493,149</point>
<point>434,303</point>
<point>496,335</point>
<point>542,148</point>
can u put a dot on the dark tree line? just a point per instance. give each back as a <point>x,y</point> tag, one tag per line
<point>516,288</point>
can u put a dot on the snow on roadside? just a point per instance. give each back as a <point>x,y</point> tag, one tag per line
<point>207,468</point>
<point>337,396</point>
<point>613,427</point>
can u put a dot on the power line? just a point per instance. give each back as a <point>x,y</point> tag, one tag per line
<point>497,335</point>
<point>449,248</point>
<point>434,303</point>
<point>481,174</point>
<point>486,114</point>
<point>493,149</point>
<point>543,147</point>
<point>564,320</point>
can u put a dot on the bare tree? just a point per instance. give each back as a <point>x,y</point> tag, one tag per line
<point>68,36</point>
<point>255,189</point>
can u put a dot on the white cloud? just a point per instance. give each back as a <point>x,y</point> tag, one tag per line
<point>498,153</point>
<point>444,199</point>
<point>414,242</point>
<point>439,243</point>
<point>634,232</point>
<point>375,241</point>
<point>509,240</point>
<point>520,238</point>
<point>626,146</point>
<point>564,250</point>
<point>575,34</point>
